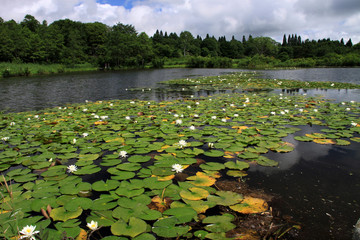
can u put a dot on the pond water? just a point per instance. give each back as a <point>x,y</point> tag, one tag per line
<point>318,185</point>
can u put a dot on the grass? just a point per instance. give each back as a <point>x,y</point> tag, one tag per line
<point>29,69</point>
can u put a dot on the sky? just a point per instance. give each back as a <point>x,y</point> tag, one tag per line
<point>311,19</point>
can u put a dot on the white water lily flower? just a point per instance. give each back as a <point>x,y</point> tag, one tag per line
<point>96,116</point>
<point>85,134</point>
<point>85,110</point>
<point>178,121</point>
<point>177,168</point>
<point>192,128</point>
<point>72,168</point>
<point>188,107</point>
<point>196,115</point>
<point>347,109</point>
<point>104,117</point>
<point>123,154</point>
<point>211,145</point>
<point>232,105</point>
<point>182,143</point>
<point>28,232</point>
<point>236,115</point>
<point>5,139</point>
<point>247,100</point>
<point>332,84</point>
<point>354,124</point>
<point>128,118</point>
<point>36,116</point>
<point>223,120</point>
<point>273,113</point>
<point>352,102</point>
<point>213,117</point>
<point>287,111</point>
<point>176,115</point>
<point>12,124</point>
<point>111,104</point>
<point>301,110</point>
<point>73,141</point>
<point>132,102</point>
<point>315,110</point>
<point>92,225</point>
<point>282,112</point>
<point>197,103</point>
<point>343,103</point>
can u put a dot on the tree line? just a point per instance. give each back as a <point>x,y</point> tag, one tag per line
<point>71,42</point>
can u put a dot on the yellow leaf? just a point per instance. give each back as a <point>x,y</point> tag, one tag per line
<point>323,141</point>
<point>101,123</point>
<point>201,179</point>
<point>251,205</point>
<point>82,235</point>
<point>119,139</point>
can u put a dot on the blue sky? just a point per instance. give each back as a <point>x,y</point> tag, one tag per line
<point>128,4</point>
<point>311,19</point>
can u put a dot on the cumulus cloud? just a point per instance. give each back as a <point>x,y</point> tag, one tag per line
<point>311,19</point>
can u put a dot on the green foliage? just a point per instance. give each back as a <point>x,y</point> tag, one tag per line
<point>71,43</point>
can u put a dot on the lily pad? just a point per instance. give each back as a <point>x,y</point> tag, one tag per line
<point>251,205</point>
<point>135,227</point>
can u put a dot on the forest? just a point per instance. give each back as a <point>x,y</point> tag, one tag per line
<point>70,42</point>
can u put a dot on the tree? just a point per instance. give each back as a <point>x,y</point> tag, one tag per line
<point>186,39</point>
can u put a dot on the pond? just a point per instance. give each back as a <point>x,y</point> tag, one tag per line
<point>318,185</point>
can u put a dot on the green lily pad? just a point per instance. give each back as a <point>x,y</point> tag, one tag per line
<point>135,227</point>
<point>220,223</point>
<point>182,214</point>
<point>214,153</point>
<point>167,228</point>
<point>60,214</point>
<point>225,198</point>
<point>237,165</point>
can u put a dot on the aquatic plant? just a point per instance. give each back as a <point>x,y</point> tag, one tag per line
<point>148,176</point>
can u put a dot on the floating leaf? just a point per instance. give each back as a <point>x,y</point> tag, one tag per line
<point>60,214</point>
<point>251,205</point>
<point>225,198</point>
<point>219,223</point>
<point>167,228</point>
<point>237,165</point>
<point>135,227</point>
<point>194,193</point>
<point>213,166</point>
<point>264,161</point>
<point>323,141</point>
<point>182,214</point>
<point>214,153</point>
<point>201,179</point>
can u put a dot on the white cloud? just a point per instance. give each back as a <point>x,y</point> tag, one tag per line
<point>312,19</point>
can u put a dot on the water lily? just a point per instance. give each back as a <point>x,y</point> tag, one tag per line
<point>104,117</point>
<point>352,102</point>
<point>282,112</point>
<point>197,103</point>
<point>128,118</point>
<point>5,139</point>
<point>36,116</point>
<point>123,154</point>
<point>287,111</point>
<point>224,120</point>
<point>236,115</point>
<point>182,143</point>
<point>211,145</point>
<point>177,168</point>
<point>315,110</point>
<point>92,225</point>
<point>85,110</point>
<point>213,117</point>
<point>176,115</point>
<point>192,128</point>
<point>12,124</point>
<point>28,232</point>
<point>85,134</point>
<point>347,109</point>
<point>132,102</point>
<point>354,124</point>
<point>196,115</point>
<point>178,121</point>
<point>189,107</point>
<point>273,113</point>
<point>72,168</point>
<point>301,110</point>
<point>73,141</point>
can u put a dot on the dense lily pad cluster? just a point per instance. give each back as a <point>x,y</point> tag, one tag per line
<point>148,170</point>
<point>251,80</point>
